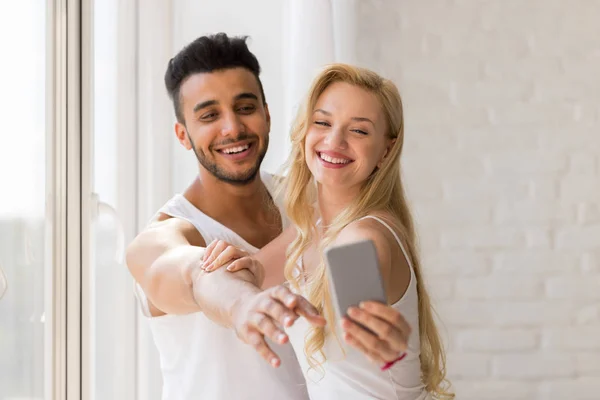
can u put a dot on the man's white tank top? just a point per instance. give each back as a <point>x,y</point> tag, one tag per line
<point>202,360</point>
<point>348,374</point>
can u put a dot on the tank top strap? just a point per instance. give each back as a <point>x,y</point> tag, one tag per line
<point>382,222</point>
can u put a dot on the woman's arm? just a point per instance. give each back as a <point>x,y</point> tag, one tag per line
<point>394,267</point>
<point>389,330</point>
<point>273,257</point>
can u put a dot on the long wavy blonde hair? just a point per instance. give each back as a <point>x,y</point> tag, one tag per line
<point>382,191</point>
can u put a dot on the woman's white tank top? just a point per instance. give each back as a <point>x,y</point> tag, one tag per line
<point>353,376</point>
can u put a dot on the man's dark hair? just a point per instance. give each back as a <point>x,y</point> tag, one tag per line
<point>208,54</point>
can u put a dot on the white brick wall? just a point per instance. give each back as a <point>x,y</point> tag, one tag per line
<point>502,164</point>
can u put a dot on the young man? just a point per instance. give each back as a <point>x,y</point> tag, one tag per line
<point>223,117</point>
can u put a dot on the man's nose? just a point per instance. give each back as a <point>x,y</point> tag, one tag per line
<point>232,125</point>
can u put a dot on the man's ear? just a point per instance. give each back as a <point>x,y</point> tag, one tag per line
<point>182,136</point>
<point>386,152</point>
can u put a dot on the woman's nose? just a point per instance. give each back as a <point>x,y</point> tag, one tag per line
<point>336,138</point>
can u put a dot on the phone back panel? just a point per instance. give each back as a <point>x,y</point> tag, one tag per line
<point>354,275</point>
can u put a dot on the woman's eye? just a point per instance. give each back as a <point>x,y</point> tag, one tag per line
<point>360,131</point>
<point>322,123</point>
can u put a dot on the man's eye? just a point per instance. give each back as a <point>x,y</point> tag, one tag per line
<point>209,116</point>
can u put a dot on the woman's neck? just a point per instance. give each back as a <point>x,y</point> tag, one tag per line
<point>332,201</point>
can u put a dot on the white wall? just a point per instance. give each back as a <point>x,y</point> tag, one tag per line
<point>502,104</point>
<point>502,163</point>
<point>262,21</point>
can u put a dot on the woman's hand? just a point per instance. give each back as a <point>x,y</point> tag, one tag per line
<point>220,253</point>
<point>386,336</point>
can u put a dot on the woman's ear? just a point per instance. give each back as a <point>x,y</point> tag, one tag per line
<point>386,152</point>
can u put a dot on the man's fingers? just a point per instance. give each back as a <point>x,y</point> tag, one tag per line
<point>277,311</point>
<point>284,295</point>
<point>299,304</point>
<point>264,324</point>
<point>256,340</point>
<point>308,311</point>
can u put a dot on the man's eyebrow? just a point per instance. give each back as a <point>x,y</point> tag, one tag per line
<point>208,103</point>
<point>246,95</point>
<point>204,104</point>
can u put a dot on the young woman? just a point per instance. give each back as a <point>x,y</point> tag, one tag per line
<point>343,184</point>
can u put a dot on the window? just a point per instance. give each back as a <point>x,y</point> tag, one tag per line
<point>23,257</point>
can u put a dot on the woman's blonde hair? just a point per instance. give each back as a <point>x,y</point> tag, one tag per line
<point>382,191</point>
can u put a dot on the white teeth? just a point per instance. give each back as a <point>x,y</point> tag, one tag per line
<point>238,149</point>
<point>333,160</point>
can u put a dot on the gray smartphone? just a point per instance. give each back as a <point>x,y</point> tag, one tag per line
<point>354,275</point>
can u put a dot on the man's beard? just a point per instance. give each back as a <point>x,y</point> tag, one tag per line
<point>240,179</point>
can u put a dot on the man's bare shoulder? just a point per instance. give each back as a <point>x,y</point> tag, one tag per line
<point>164,224</point>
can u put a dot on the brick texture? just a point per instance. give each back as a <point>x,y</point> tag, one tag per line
<point>502,167</point>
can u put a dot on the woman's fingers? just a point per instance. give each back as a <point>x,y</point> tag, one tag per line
<point>219,260</point>
<point>353,342</point>
<point>217,248</point>
<point>392,335</point>
<point>242,263</point>
<point>370,342</point>
<point>387,313</point>
<point>208,250</point>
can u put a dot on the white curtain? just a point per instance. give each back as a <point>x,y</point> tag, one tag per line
<point>316,33</point>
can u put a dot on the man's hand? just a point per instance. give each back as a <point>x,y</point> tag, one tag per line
<point>389,331</point>
<point>265,313</point>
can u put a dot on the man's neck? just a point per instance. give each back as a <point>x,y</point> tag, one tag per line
<point>224,201</point>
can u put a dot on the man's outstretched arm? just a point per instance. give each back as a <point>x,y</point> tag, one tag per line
<point>165,260</point>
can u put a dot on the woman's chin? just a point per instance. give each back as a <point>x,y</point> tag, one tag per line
<point>336,184</point>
